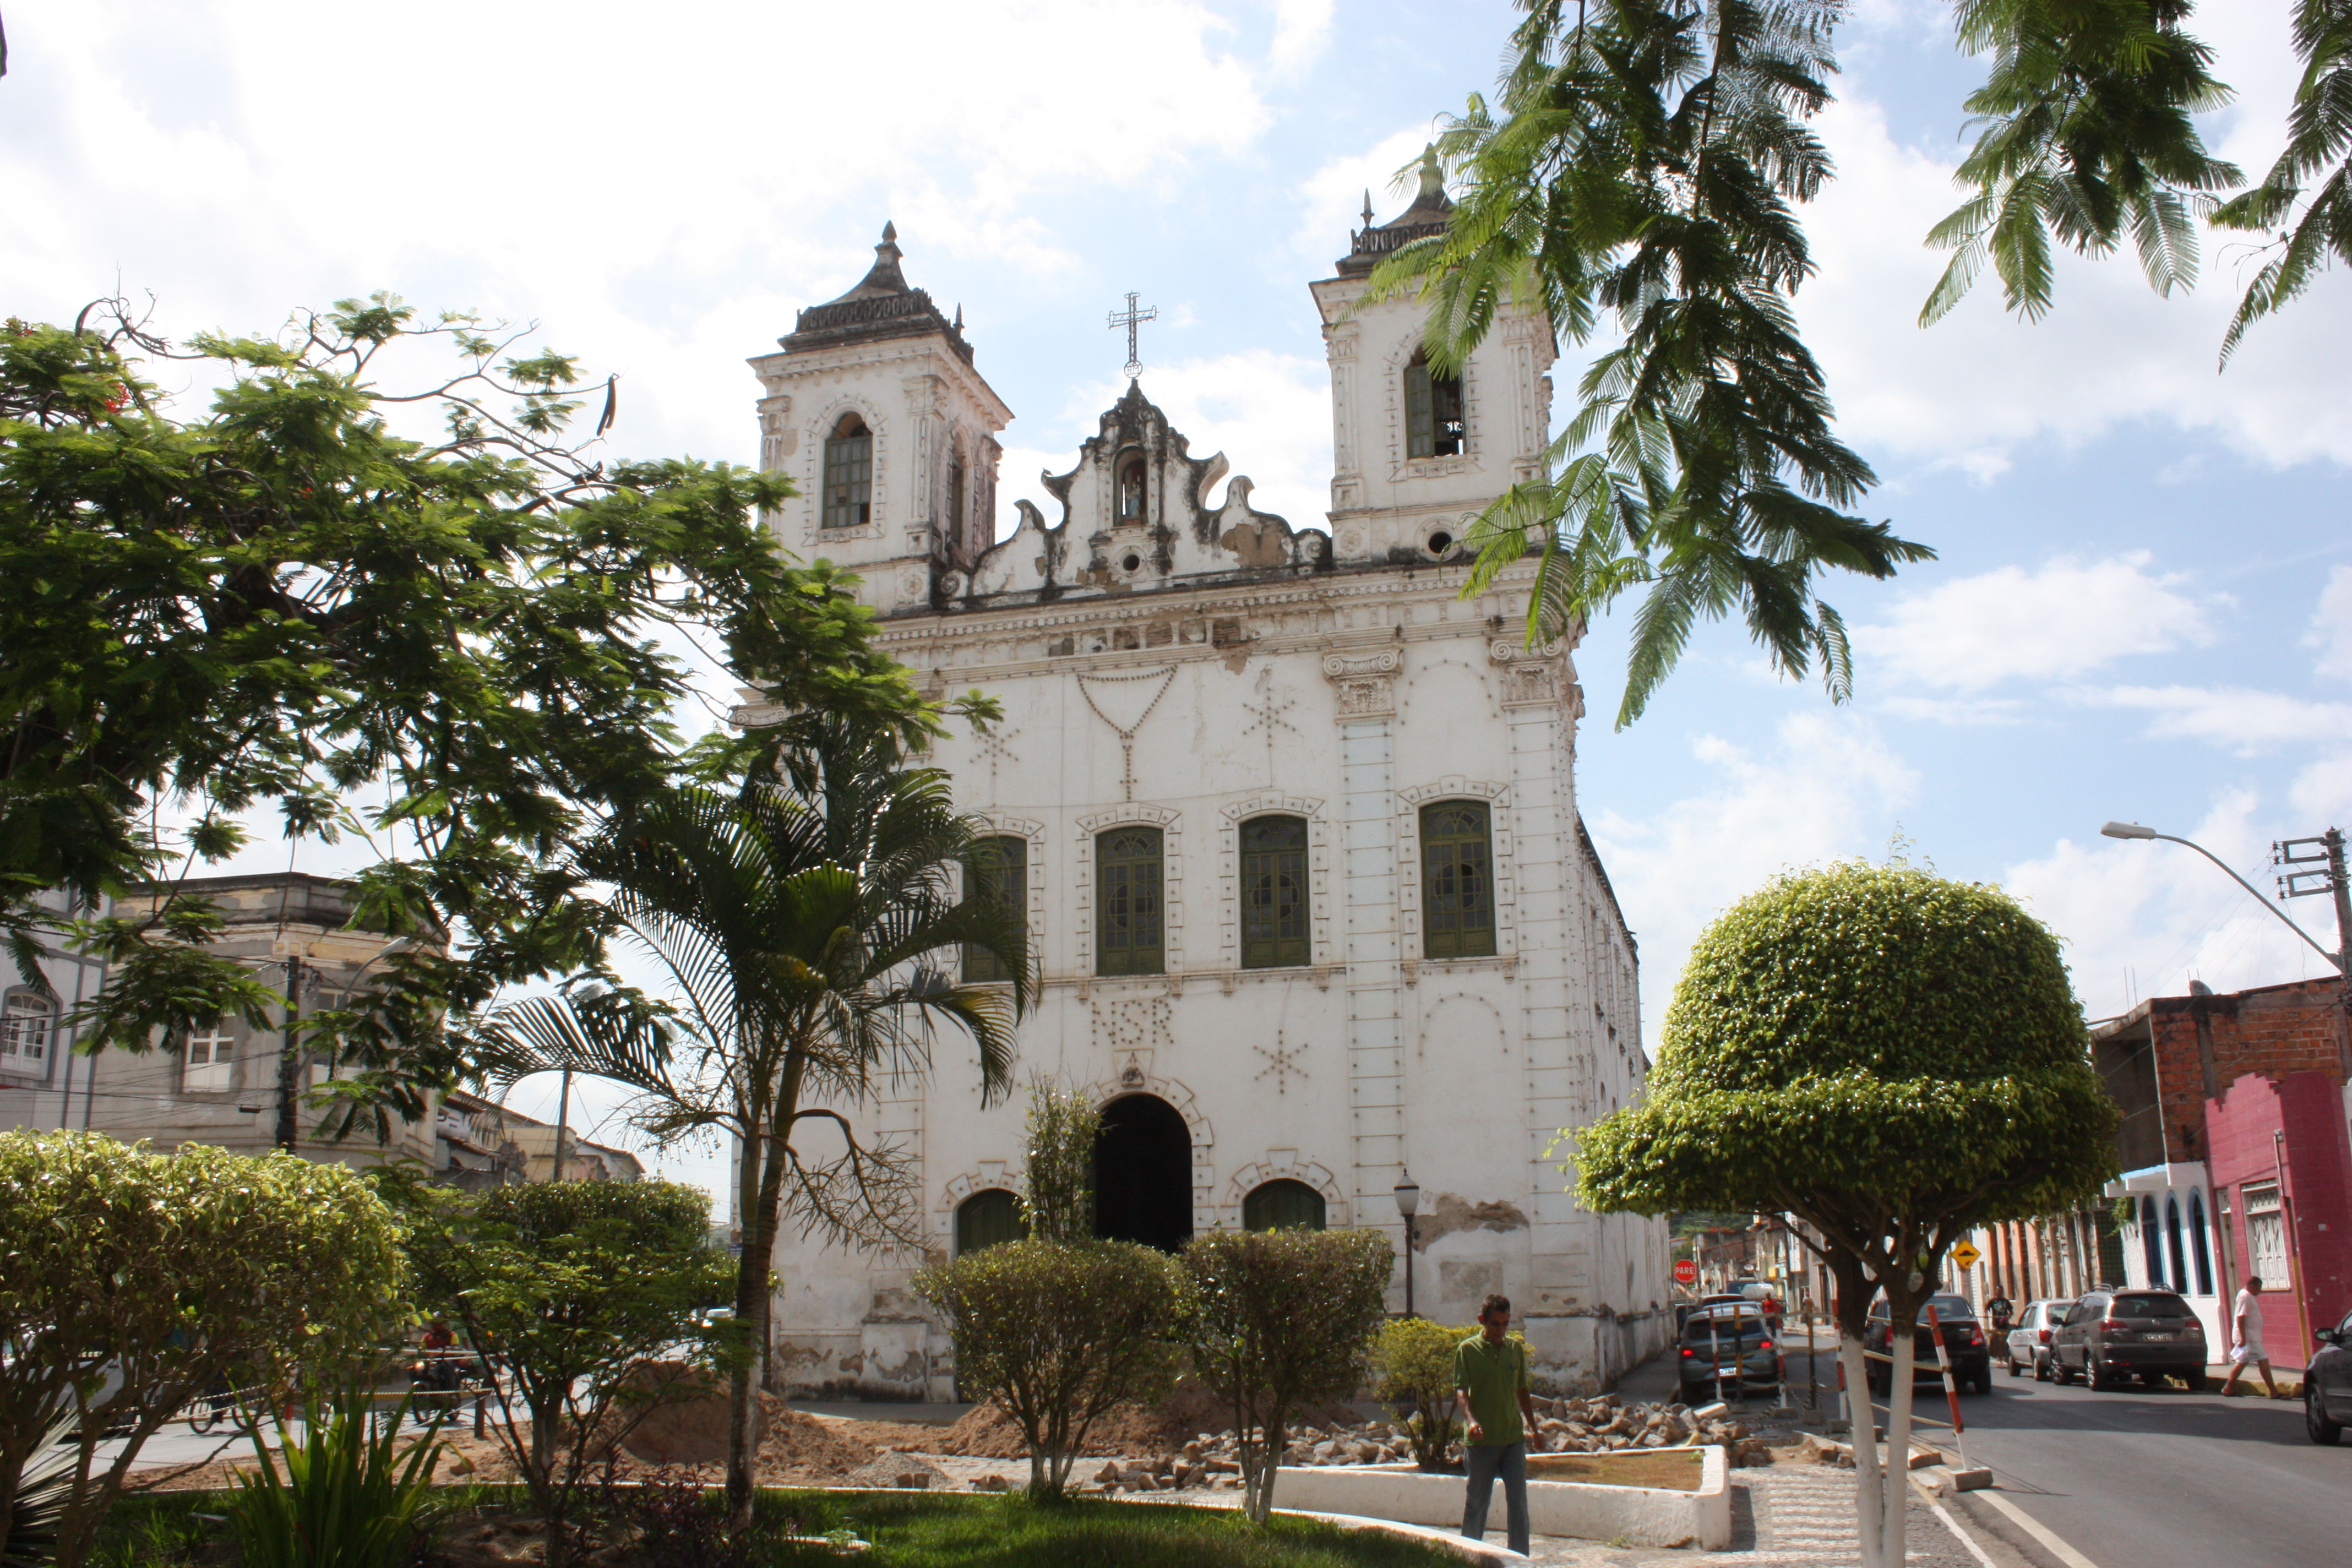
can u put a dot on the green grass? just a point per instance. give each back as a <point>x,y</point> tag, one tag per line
<point>910,1530</point>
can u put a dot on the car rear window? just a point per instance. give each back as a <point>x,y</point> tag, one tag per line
<point>2148,1307</point>
<point>1947,1308</point>
<point>1724,1330</point>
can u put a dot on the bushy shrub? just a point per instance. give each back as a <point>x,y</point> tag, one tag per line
<point>568,1290</point>
<point>177,1271</point>
<point>1413,1359</point>
<point>1057,1332</point>
<point>1280,1318</point>
<point>1057,1194</point>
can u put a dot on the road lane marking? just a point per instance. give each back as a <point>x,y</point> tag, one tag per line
<point>1966,1539</point>
<point>2039,1531</point>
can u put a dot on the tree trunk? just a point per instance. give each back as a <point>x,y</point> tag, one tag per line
<point>1869,1507</point>
<point>1257,1489</point>
<point>753,1293</point>
<point>1898,1442</point>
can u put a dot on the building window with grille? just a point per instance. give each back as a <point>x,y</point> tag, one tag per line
<point>1273,892</point>
<point>1457,880</point>
<point>848,495</point>
<point>205,1063</point>
<point>1128,912</point>
<point>986,1219</point>
<point>996,868</point>
<point>2266,1232</point>
<point>1433,412</point>
<point>27,1028</point>
<point>1282,1205</point>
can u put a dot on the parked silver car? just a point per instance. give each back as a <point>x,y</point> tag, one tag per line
<point>2028,1345</point>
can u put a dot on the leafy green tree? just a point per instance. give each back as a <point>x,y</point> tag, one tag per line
<point>1894,1058</point>
<point>1278,1318</point>
<point>1414,1360</point>
<point>2086,133</point>
<point>1644,163</point>
<point>282,601</point>
<point>580,1297</point>
<point>1057,1332</point>
<point>2319,131</point>
<point>795,919</point>
<point>1057,1189</point>
<point>170,1273</point>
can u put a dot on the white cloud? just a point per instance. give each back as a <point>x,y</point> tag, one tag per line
<point>1331,199</point>
<point>1828,787</point>
<point>2243,719</point>
<point>1965,393</point>
<point>2067,618</point>
<point>2142,919</point>
<point>2331,626</point>
<point>1302,30</point>
<point>666,194</point>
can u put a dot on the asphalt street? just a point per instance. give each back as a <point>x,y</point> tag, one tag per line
<point>2129,1477</point>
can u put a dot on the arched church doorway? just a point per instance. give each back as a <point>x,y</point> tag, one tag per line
<point>1143,1173</point>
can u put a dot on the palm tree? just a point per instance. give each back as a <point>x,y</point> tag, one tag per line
<point>795,917</point>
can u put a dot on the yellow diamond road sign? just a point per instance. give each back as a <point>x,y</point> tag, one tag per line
<point>1966,1255</point>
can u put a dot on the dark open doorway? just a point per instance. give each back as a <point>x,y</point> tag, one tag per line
<point>1143,1173</point>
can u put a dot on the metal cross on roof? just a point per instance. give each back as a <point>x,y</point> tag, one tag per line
<point>1131,319</point>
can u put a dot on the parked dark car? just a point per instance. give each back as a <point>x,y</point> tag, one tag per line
<point>1964,1340</point>
<point>1728,1351</point>
<point>2027,1343</point>
<point>2110,1335</point>
<point>2327,1384</point>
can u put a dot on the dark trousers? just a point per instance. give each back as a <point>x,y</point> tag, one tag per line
<point>1485,1461</point>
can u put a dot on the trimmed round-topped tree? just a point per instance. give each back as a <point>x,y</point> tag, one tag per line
<point>1892,1057</point>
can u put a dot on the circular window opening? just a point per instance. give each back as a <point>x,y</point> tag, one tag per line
<point>1440,542</point>
<point>1129,562</point>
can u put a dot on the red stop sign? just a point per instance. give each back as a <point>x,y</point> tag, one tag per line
<point>1685,1272</point>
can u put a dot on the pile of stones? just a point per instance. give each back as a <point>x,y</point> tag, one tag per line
<point>1598,1426</point>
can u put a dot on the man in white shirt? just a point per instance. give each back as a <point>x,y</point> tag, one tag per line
<point>2246,1339</point>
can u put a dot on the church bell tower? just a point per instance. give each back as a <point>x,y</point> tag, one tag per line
<point>875,412</point>
<point>1417,453</point>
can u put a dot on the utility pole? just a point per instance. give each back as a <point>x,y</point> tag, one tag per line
<point>290,1056</point>
<point>563,1116</point>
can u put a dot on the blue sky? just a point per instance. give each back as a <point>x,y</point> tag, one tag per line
<point>2143,604</point>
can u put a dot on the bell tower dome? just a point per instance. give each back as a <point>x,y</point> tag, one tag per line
<point>874,411</point>
<point>1415,453</point>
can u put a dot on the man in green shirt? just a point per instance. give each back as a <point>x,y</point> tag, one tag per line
<point>1497,1407</point>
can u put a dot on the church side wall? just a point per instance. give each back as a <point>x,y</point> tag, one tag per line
<point>1352,703</point>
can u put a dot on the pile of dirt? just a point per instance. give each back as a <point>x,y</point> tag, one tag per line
<point>793,1447</point>
<point>989,1432</point>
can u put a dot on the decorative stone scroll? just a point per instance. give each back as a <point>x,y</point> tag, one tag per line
<point>1531,676</point>
<point>1366,682</point>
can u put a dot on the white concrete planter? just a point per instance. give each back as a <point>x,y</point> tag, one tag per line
<point>1635,1516</point>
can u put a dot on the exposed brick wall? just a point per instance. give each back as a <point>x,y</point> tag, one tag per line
<point>2205,1043</point>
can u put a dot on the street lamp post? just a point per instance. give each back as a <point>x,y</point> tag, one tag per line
<point>2341,960</point>
<point>1408,1202</point>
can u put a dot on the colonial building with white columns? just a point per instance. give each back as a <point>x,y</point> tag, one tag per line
<point>1295,825</point>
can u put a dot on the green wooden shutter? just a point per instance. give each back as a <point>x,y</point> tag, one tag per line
<point>1127,902</point>
<point>1457,881</point>
<point>999,868</point>
<point>1273,892</point>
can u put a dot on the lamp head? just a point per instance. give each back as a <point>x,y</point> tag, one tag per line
<point>1408,1196</point>
<point>2128,830</point>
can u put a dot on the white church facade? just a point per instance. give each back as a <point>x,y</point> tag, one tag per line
<point>1295,825</point>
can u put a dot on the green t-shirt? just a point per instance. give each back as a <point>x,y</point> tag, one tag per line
<point>1494,1376</point>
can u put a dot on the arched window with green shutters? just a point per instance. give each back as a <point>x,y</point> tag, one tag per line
<point>1457,879</point>
<point>986,1218</point>
<point>1273,892</point>
<point>1435,427</point>
<point>1282,1205</point>
<point>849,494</point>
<point>1129,908</point>
<point>997,868</point>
